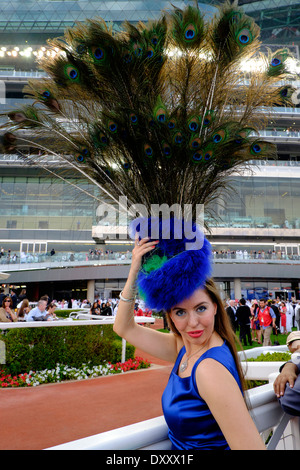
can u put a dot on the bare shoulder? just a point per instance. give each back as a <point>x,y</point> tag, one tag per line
<point>222,394</point>
<point>214,377</point>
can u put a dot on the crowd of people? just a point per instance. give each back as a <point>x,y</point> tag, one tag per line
<point>256,320</point>
<point>9,257</point>
<point>253,321</point>
<point>15,307</point>
<point>253,254</point>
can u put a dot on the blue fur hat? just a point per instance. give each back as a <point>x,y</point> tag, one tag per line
<point>180,263</point>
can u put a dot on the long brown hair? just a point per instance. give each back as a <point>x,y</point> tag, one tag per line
<point>222,326</point>
<point>24,304</point>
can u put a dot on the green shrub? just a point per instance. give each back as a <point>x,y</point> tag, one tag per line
<point>42,348</point>
<point>272,357</point>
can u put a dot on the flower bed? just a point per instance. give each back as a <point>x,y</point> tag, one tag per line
<point>62,372</point>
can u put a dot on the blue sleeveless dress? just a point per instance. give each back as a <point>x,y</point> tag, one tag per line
<point>191,424</point>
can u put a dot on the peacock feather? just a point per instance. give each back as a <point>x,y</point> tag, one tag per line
<point>160,112</point>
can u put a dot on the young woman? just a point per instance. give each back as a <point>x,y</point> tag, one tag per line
<point>203,402</point>
<point>6,311</point>
<point>23,310</point>
<point>50,311</point>
<point>283,310</point>
<point>95,309</point>
<point>255,326</point>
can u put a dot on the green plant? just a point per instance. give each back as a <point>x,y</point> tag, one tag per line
<point>271,357</point>
<point>63,372</point>
<point>42,348</point>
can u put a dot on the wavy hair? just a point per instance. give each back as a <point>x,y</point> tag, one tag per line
<point>222,326</point>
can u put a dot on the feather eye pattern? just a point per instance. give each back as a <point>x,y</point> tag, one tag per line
<point>161,112</point>
<point>277,63</point>
<point>44,92</point>
<point>234,34</point>
<point>187,28</point>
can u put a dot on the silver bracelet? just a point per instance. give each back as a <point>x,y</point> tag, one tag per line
<point>125,300</point>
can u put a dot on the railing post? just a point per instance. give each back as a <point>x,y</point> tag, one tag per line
<point>123,350</point>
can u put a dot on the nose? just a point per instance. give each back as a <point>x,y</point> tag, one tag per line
<point>193,319</point>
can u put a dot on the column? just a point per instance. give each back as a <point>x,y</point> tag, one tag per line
<point>90,290</point>
<point>237,288</point>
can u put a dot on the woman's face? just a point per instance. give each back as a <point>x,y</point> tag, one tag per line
<point>7,303</point>
<point>194,317</point>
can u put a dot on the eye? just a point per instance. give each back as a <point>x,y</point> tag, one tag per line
<point>180,313</point>
<point>201,309</point>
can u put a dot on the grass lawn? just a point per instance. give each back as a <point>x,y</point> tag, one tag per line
<point>281,339</point>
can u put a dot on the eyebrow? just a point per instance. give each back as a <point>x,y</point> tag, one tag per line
<point>196,306</point>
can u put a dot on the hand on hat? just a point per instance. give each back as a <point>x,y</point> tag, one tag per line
<point>141,247</point>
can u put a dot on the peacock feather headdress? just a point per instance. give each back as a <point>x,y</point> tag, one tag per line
<point>160,112</point>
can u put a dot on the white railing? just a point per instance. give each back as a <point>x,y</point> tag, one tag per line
<point>265,410</point>
<point>83,319</point>
<point>152,434</point>
<point>77,318</point>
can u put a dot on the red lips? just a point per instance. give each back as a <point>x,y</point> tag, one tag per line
<point>195,334</point>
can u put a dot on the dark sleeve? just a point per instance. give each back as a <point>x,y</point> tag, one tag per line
<point>290,402</point>
<point>281,367</point>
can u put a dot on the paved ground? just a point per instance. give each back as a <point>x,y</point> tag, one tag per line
<point>48,415</point>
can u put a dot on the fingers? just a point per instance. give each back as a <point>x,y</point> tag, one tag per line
<point>279,388</point>
<point>280,384</point>
<point>141,248</point>
<point>145,243</point>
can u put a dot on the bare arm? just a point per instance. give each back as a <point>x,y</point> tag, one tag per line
<point>221,392</point>
<point>153,342</point>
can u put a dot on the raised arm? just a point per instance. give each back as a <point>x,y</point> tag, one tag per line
<point>158,344</point>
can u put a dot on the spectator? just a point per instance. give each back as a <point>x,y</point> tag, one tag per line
<point>231,312</point>
<point>277,321</point>
<point>38,313</point>
<point>289,316</point>
<point>95,309</point>
<point>138,311</point>
<point>287,384</point>
<point>23,310</point>
<point>2,295</point>
<point>297,315</point>
<point>255,325</point>
<point>6,312</point>
<point>46,298</point>
<point>243,314</point>
<point>21,297</point>
<point>116,309</point>
<point>106,310</point>
<point>283,318</point>
<point>50,312</point>
<point>267,320</point>
<point>14,299</point>
<point>102,308</point>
